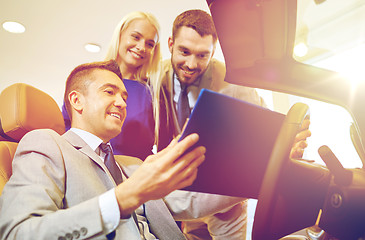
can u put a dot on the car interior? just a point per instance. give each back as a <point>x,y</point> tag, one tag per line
<point>298,199</point>
<point>259,53</point>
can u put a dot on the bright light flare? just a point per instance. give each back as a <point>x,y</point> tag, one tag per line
<point>92,47</point>
<point>350,64</point>
<point>300,50</point>
<point>13,27</point>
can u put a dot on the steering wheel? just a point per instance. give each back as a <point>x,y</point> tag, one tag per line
<point>267,206</point>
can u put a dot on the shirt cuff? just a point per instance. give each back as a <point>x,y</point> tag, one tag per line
<point>109,211</point>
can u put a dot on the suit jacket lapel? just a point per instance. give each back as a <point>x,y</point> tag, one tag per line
<point>161,222</point>
<point>207,78</point>
<point>170,90</point>
<point>82,146</point>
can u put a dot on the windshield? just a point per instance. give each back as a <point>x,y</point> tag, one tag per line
<point>330,34</point>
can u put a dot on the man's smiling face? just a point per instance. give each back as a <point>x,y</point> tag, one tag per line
<point>190,54</point>
<point>104,105</point>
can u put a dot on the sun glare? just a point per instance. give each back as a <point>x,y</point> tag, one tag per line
<point>349,63</point>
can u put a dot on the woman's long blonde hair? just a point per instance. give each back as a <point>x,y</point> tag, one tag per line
<point>148,73</point>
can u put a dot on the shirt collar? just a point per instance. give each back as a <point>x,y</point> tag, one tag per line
<point>193,90</point>
<point>90,139</point>
<point>177,86</point>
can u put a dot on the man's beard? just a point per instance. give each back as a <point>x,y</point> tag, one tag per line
<point>177,69</point>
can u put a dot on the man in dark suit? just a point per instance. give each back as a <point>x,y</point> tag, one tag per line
<point>63,187</point>
<point>191,68</point>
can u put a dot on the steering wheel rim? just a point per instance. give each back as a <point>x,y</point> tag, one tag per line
<point>279,157</point>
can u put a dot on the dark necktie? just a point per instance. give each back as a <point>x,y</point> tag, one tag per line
<point>111,164</point>
<point>183,108</point>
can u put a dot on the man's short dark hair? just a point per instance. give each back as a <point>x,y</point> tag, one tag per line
<point>197,19</point>
<point>82,75</point>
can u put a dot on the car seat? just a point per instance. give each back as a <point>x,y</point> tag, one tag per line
<point>23,108</point>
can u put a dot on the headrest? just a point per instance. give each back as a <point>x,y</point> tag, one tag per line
<point>24,108</point>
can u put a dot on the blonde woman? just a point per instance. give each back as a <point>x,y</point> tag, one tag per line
<point>135,45</point>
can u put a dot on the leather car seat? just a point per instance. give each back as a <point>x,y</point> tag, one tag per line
<point>23,108</point>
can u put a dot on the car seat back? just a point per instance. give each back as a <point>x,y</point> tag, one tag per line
<point>23,108</point>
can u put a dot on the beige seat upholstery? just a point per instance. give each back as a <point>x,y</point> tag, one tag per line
<point>23,108</point>
<point>7,150</point>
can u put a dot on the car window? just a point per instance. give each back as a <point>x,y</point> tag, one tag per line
<point>330,125</point>
<point>327,36</point>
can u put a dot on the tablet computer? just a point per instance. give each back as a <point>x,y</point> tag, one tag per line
<point>239,137</point>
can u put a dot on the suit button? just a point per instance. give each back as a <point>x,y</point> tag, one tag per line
<point>69,236</point>
<point>61,238</point>
<point>83,231</point>
<point>76,234</point>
